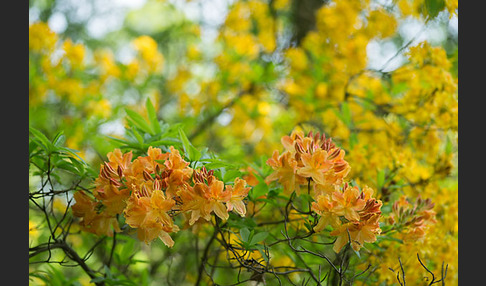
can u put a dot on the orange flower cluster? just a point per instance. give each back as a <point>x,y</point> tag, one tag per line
<point>352,213</point>
<point>110,194</point>
<point>411,220</point>
<point>311,157</point>
<point>150,190</point>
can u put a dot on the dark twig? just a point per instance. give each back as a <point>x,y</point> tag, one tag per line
<point>205,256</point>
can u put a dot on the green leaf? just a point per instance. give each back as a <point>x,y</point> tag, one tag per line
<point>97,279</point>
<point>127,250</point>
<point>166,142</point>
<point>259,190</point>
<point>346,113</point>
<point>217,163</point>
<point>59,139</point>
<point>399,88</point>
<point>230,175</point>
<point>240,222</point>
<point>245,234</point>
<point>67,166</point>
<point>152,114</point>
<point>448,147</point>
<point>265,168</point>
<point>308,226</point>
<point>262,251</point>
<point>43,277</point>
<point>73,153</point>
<point>434,7</point>
<point>41,139</point>
<point>139,121</point>
<point>138,136</point>
<point>353,139</point>
<point>259,237</point>
<point>386,237</point>
<point>380,179</point>
<point>108,273</point>
<point>356,252</point>
<point>191,152</point>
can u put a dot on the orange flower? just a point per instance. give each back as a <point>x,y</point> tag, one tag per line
<point>310,157</point>
<point>175,160</point>
<point>110,189</point>
<point>147,210</point>
<point>343,234</point>
<point>153,158</point>
<point>361,211</point>
<point>94,219</point>
<point>358,232</point>
<point>112,197</point>
<point>250,177</point>
<point>365,231</point>
<point>372,206</point>
<point>288,141</point>
<point>215,196</point>
<point>315,166</point>
<point>206,196</point>
<point>117,158</point>
<point>84,206</point>
<point>348,202</point>
<point>325,207</point>
<point>238,193</point>
<point>150,164</point>
<point>178,170</point>
<point>193,202</point>
<point>285,172</point>
<point>412,220</point>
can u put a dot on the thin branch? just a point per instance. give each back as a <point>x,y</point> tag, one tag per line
<point>205,256</point>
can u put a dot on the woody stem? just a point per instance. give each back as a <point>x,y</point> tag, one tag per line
<point>205,254</point>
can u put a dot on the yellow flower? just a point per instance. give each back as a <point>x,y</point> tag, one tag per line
<point>41,38</point>
<point>105,60</point>
<point>147,49</point>
<point>297,58</point>
<point>74,53</point>
<point>281,4</point>
<point>132,69</point>
<point>244,45</point>
<point>33,230</point>
<point>101,108</point>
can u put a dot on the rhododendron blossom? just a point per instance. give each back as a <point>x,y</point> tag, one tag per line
<point>94,219</point>
<point>311,157</point>
<point>147,211</point>
<point>150,190</point>
<point>353,214</point>
<point>411,220</point>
